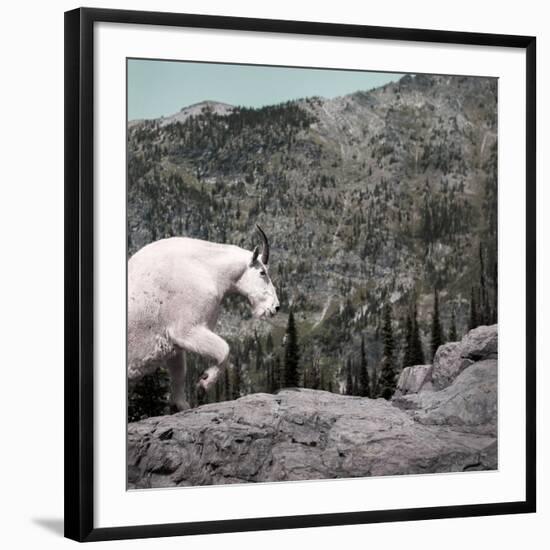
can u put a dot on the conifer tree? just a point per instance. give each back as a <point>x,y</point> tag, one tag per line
<point>315,378</point>
<point>387,380</point>
<point>269,344</point>
<point>322,379</point>
<point>453,335</point>
<point>277,374</point>
<point>408,354</point>
<point>349,378</point>
<point>236,385</point>
<point>387,332</point>
<point>437,331</point>
<point>364,382</point>
<point>305,377</point>
<point>375,385</point>
<point>292,353</point>
<point>218,391</point>
<point>259,354</point>
<point>483,304</point>
<point>226,385</point>
<point>473,311</point>
<point>417,353</point>
<point>149,397</point>
<point>494,317</point>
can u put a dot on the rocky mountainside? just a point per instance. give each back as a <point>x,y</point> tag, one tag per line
<point>374,197</point>
<point>309,434</point>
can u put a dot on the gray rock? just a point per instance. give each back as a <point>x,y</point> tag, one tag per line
<point>309,434</point>
<point>413,379</point>
<point>480,343</point>
<point>448,364</point>
<point>452,358</point>
<point>468,404</point>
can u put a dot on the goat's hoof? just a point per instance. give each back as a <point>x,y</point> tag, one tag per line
<point>178,407</point>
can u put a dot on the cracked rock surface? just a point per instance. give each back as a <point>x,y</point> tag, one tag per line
<point>301,434</point>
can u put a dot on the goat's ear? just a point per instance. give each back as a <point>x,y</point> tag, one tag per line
<point>255,255</point>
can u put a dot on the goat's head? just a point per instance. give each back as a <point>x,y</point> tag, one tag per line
<point>255,283</point>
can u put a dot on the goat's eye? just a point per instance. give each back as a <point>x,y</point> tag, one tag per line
<point>262,273</point>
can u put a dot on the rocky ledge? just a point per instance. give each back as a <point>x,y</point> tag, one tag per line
<point>445,422</point>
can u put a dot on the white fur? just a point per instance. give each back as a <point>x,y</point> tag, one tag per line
<point>175,289</point>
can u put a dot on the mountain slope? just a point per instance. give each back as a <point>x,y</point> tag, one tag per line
<point>372,197</point>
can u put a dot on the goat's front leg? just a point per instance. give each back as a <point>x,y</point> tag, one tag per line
<point>203,341</point>
<point>177,367</point>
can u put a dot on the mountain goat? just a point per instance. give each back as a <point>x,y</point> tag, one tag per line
<point>175,290</point>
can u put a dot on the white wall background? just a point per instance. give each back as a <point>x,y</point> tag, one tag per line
<point>31,272</point>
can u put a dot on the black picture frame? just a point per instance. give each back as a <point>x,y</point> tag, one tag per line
<point>79,269</point>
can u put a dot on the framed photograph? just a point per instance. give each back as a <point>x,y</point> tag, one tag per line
<point>300,274</point>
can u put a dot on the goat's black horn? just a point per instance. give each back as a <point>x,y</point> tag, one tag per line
<point>265,248</point>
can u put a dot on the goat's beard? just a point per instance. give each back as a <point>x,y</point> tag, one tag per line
<point>259,312</point>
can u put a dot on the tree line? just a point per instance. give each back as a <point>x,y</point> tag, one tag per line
<point>270,370</point>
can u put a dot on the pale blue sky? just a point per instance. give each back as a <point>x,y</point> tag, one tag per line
<point>157,88</point>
